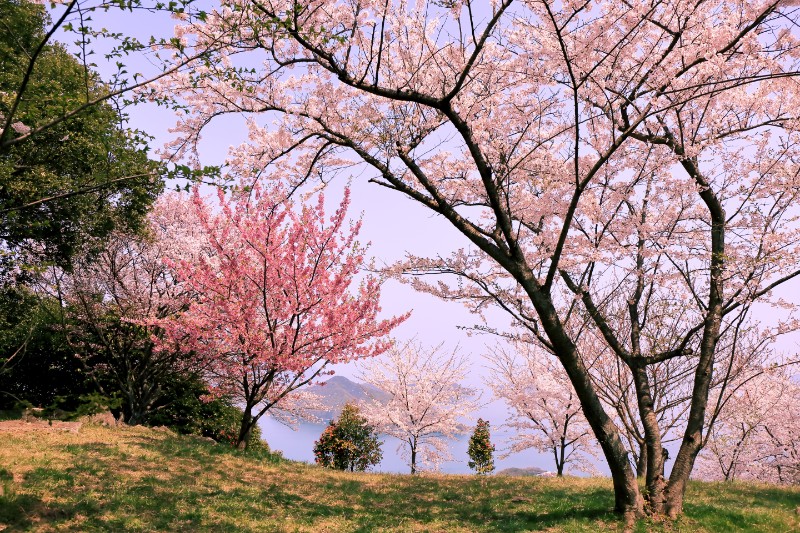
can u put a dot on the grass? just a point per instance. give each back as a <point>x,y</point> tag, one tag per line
<point>138,479</point>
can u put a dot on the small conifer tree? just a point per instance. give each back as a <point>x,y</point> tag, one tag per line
<point>348,443</point>
<point>481,450</point>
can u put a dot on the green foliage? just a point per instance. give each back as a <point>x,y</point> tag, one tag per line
<point>225,422</point>
<point>481,450</point>
<point>186,409</point>
<point>95,403</point>
<point>37,366</point>
<point>68,186</point>
<point>348,443</point>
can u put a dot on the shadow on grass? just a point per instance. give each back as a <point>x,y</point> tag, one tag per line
<point>16,510</point>
<point>121,494</point>
<point>496,508</point>
<point>188,484</point>
<point>420,501</point>
<point>729,506</point>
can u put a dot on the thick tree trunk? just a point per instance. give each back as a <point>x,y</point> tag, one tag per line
<point>245,429</point>
<point>627,498</point>
<point>654,479</point>
<point>142,391</point>
<point>136,409</point>
<point>134,417</point>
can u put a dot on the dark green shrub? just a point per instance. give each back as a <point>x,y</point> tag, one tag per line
<point>37,366</point>
<point>186,410</point>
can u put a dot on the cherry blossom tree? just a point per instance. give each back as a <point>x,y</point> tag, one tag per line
<point>615,152</point>
<point>757,435</point>
<point>743,353</point>
<point>117,297</point>
<point>272,300</point>
<point>544,410</point>
<point>428,402</point>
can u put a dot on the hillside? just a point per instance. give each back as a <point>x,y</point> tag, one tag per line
<point>527,471</point>
<point>138,479</point>
<point>338,390</point>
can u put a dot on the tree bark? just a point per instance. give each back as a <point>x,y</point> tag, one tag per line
<point>693,435</point>
<point>414,458</point>
<point>641,462</point>
<point>654,475</point>
<point>627,498</point>
<point>245,429</point>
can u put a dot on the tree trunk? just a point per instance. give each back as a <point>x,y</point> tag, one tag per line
<point>413,445</point>
<point>139,407</point>
<point>627,498</point>
<point>560,460</point>
<point>245,428</point>
<point>641,462</point>
<point>134,417</point>
<point>141,396</point>
<point>693,435</point>
<point>654,478</point>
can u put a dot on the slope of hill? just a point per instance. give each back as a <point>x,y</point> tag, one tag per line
<point>338,390</point>
<point>527,471</point>
<point>139,479</point>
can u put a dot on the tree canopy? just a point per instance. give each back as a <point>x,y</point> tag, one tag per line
<point>74,182</point>
<point>348,443</point>
<point>481,449</point>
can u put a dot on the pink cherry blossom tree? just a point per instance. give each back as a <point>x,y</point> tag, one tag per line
<point>274,300</point>
<point>428,403</point>
<point>544,410</point>
<point>615,153</point>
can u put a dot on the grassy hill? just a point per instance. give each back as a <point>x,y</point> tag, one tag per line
<point>138,479</point>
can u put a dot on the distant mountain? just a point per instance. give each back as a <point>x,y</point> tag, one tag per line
<point>338,390</point>
<point>527,471</point>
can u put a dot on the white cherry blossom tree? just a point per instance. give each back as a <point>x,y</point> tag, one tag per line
<point>544,410</point>
<point>114,296</point>
<point>757,435</point>
<point>428,403</point>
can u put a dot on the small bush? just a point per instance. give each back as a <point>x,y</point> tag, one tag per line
<point>185,412</point>
<point>480,449</point>
<point>348,443</point>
